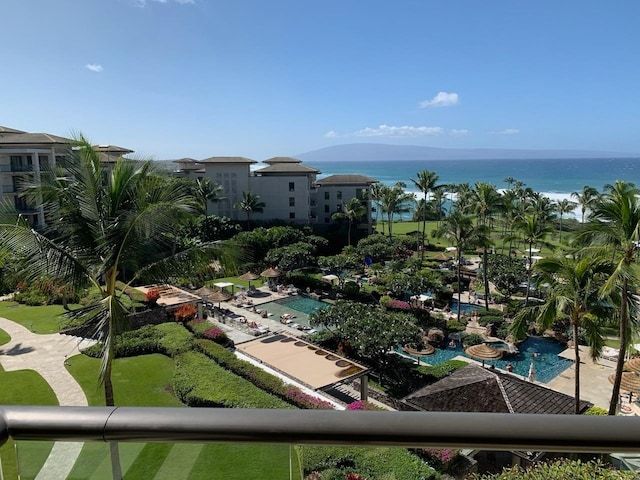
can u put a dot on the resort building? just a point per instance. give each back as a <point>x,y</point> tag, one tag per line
<point>23,156</point>
<point>289,189</point>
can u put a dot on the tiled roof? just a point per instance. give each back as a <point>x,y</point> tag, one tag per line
<point>112,149</point>
<point>33,139</point>
<point>287,168</point>
<point>346,180</point>
<point>7,130</point>
<point>273,160</point>
<point>476,389</point>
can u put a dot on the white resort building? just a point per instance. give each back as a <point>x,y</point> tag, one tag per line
<point>290,190</point>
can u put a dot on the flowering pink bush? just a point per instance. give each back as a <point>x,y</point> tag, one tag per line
<point>438,458</point>
<point>307,401</point>
<point>362,405</point>
<point>399,305</point>
<point>353,476</point>
<point>216,335</point>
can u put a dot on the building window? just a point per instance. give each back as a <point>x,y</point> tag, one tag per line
<point>292,187</point>
<point>292,201</point>
<point>326,209</point>
<point>326,196</point>
<point>292,215</point>
<point>339,195</point>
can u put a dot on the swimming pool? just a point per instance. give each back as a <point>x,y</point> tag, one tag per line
<point>464,307</point>
<point>546,361</point>
<point>302,303</point>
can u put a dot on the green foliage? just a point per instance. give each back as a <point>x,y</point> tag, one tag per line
<point>472,339</point>
<point>351,288</point>
<point>402,284</point>
<point>199,382</point>
<point>211,228</point>
<point>561,470</point>
<point>335,462</point>
<point>595,411</point>
<point>377,247</point>
<point>505,272</point>
<point>296,255</point>
<point>436,372</point>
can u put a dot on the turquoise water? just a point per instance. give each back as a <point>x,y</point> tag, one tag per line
<point>302,304</point>
<point>464,307</point>
<point>546,361</point>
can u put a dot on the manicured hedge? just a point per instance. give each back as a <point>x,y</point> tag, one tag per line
<point>199,382</point>
<point>259,377</point>
<point>204,329</point>
<point>335,462</point>
<point>166,338</point>
<point>442,370</point>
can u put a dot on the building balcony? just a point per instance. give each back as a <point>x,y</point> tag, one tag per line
<point>20,168</point>
<point>145,437</point>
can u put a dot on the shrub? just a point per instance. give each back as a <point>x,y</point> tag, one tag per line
<point>199,382</point>
<point>472,339</point>
<point>152,296</point>
<point>561,470</point>
<point>259,377</point>
<point>398,305</point>
<point>441,370</point>
<point>385,300</point>
<point>363,405</point>
<point>351,288</point>
<point>185,313</point>
<point>596,411</point>
<point>440,459</point>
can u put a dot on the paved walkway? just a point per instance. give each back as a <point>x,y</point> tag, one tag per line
<point>46,355</point>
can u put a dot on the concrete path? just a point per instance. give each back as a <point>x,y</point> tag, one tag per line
<point>46,354</point>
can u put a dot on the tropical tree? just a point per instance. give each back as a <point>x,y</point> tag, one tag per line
<point>395,200</point>
<point>616,227</point>
<point>533,231</point>
<point>573,294</point>
<point>585,198</point>
<point>375,194</point>
<point>250,203</point>
<point>208,191</point>
<point>485,201</point>
<point>562,207</point>
<point>460,230</point>
<point>426,183</point>
<point>352,211</point>
<point>105,226</point>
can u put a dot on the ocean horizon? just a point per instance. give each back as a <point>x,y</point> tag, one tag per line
<point>554,178</point>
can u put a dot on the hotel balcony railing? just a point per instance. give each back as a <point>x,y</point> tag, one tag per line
<point>477,431</point>
<point>21,168</point>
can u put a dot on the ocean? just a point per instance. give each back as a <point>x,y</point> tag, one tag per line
<point>554,178</point>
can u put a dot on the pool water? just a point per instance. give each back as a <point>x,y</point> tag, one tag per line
<point>302,304</point>
<point>464,307</point>
<point>546,361</point>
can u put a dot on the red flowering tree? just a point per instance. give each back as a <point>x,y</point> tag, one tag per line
<point>185,313</point>
<point>152,296</point>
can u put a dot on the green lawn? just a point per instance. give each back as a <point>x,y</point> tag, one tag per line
<point>4,337</point>
<point>24,387</point>
<point>143,381</point>
<point>40,319</point>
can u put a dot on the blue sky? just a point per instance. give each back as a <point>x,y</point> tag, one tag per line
<point>260,78</point>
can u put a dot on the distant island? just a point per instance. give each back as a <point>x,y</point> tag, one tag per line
<point>380,152</point>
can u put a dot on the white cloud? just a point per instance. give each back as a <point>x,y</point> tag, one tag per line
<point>506,131</point>
<point>94,67</point>
<point>330,134</point>
<point>454,132</point>
<point>442,99</point>
<point>392,131</point>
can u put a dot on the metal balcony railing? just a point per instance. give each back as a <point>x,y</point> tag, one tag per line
<point>552,433</point>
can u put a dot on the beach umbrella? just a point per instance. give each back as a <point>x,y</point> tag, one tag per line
<point>633,365</point>
<point>204,291</point>
<point>271,273</point>
<point>483,352</point>
<point>249,277</point>
<point>532,373</point>
<point>630,381</point>
<point>219,296</point>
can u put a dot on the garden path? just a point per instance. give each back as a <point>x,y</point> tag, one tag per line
<point>47,354</point>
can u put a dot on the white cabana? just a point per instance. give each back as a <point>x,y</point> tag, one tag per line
<point>451,249</point>
<point>330,278</point>
<point>223,285</point>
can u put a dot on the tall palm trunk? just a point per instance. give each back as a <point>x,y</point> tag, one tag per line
<point>529,269</point>
<point>624,312</point>
<point>114,451</point>
<point>486,278</point>
<point>459,278</point>
<point>576,349</point>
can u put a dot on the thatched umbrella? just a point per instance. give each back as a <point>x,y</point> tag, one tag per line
<point>249,277</point>
<point>630,381</point>
<point>427,349</point>
<point>219,296</point>
<point>484,352</point>
<point>204,291</point>
<point>633,365</point>
<point>271,273</point>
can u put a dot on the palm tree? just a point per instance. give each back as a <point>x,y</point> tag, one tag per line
<point>395,200</point>
<point>250,203</point>
<point>426,183</point>
<point>574,283</point>
<point>106,226</point>
<point>485,201</point>
<point>459,229</point>
<point>534,231</point>
<point>585,198</point>
<point>352,211</point>
<point>562,207</point>
<point>208,191</point>
<point>616,226</point>
<point>375,193</point>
